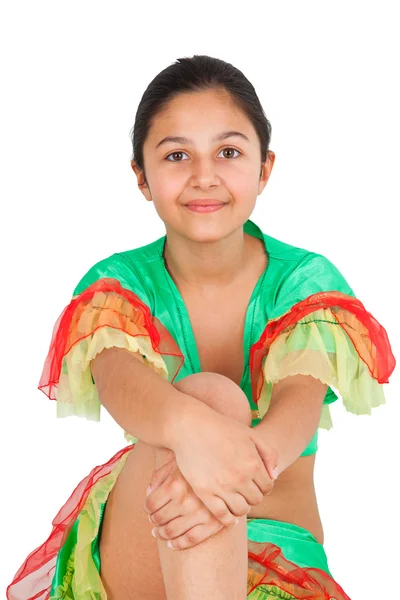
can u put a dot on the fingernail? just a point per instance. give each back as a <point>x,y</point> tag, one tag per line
<point>169,544</point>
<point>148,491</point>
<point>275,473</point>
<point>236,522</point>
<point>150,518</point>
<point>153,532</point>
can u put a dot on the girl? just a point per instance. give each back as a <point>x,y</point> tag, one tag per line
<point>216,348</point>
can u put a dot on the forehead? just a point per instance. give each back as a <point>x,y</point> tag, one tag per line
<point>197,114</point>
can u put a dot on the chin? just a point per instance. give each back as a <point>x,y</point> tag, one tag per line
<point>205,234</point>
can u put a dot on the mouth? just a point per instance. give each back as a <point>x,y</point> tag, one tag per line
<point>208,204</point>
<point>205,208</point>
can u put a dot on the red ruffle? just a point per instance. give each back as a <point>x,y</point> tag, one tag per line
<point>68,331</point>
<point>367,334</point>
<point>33,579</point>
<point>304,583</point>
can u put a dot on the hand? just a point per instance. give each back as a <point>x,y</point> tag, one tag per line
<point>228,465</point>
<point>179,514</point>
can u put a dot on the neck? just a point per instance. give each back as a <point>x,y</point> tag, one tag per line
<point>207,264</point>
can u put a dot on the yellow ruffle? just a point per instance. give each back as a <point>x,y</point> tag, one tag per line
<point>82,579</point>
<point>77,394</point>
<point>318,346</point>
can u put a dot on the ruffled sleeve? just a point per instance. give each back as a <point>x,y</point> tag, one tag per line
<point>324,331</point>
<point>103,312</point>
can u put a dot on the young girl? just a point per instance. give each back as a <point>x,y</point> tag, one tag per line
<point>217,349</point>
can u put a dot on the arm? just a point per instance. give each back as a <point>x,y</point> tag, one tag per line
<point>293,416</point>
<point>139,400</point>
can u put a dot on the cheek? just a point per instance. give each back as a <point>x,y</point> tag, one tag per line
<point>168,183</point>
<point>242,187</point>
<point>167,195</point>
<point>240,177</point>
<point>166,190</point>
<point>172,187</point>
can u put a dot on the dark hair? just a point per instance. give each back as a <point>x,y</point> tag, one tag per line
<point>192,74</point>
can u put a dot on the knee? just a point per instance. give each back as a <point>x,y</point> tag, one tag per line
<point>218,392</point>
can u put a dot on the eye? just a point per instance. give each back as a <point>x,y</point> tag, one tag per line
<point>173,153</point>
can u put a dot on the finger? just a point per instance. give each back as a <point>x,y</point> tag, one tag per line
<point>157,500</point>
<point>264,482</point>
<point>195,536</point>
<point>161,474</point>
<point>183,524</point>
<point>237,503</point>
<point>251,494</point>
<point>175,509</point>
<point>217,506</point>
<point>260,477</point>
<point>268,455</point>
<point>163,493</point>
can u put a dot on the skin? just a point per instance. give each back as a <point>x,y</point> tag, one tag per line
<point>211,258</point>
<point>205,252</point>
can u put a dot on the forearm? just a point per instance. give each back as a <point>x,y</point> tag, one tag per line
<point>290,423</point>
<point>144,404</point>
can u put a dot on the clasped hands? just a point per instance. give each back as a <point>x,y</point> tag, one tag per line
<point>181,518</point>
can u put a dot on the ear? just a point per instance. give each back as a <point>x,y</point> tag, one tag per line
<point>266,168</point>
<point>142,184</point>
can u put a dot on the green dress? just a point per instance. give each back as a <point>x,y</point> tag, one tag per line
<point>302,318</point>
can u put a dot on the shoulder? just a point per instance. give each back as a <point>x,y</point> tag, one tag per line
<point>297,273</point>
<point>314,273</point>
<point>301,261</point>
<point>128,267</point>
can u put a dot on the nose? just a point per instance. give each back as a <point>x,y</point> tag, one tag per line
<point>204,173</point>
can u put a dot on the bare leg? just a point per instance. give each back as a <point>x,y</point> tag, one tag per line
<point>216,568</point>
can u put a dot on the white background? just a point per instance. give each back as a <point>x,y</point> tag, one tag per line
<point>72,76</point>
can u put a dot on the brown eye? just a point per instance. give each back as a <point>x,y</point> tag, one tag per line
<point>179,153</point>
<point>231,150</point>
<point>174,154</point>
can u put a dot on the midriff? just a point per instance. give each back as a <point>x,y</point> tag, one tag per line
<point>293,498</point>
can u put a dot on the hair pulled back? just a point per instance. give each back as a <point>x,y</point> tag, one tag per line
<point>194,74</point>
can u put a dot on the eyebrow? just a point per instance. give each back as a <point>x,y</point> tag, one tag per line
<point>217,138</point>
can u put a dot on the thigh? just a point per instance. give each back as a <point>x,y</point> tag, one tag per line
<point>129,558</point>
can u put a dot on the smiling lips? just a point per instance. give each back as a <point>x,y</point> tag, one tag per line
<point>198,208</point>
<point>204,202</point>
